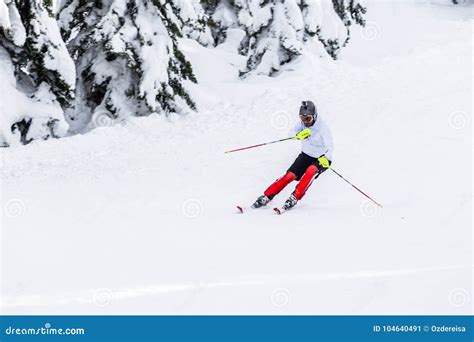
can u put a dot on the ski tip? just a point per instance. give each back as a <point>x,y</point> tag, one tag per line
<point>240,209</point>
<point>277,211</point>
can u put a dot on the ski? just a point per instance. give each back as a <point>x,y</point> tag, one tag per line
<point>280,211</point>
<point>259,203</point>
<point>242,209</point>
<point>289,203</point>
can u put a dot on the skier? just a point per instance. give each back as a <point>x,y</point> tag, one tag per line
<point>314,159</point>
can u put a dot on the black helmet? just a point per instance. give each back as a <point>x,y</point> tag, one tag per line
<point>308,108</point>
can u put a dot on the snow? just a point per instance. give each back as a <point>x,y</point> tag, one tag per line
<point>4,15</point>
<point>16,30</point>
<point>139,217</point>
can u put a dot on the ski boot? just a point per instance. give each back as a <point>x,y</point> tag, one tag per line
<point>261,201</point>
<point>290,203</point>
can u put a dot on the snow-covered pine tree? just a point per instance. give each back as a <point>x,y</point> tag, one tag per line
<point>278,30</point>
<point>127,58</point>
<point>274,30</point>
<point>349,11</point>
<point>221,17</point>
<point>190,16</point>
<point>43,70</point>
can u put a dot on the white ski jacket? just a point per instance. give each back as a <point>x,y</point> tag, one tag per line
<point>319,143</point>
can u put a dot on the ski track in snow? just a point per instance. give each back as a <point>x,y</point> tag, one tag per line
<point>185,294</point>
<point>140,217</point>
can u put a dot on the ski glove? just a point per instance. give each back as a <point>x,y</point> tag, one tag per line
<point>304,134</point>
<point>324,162</point>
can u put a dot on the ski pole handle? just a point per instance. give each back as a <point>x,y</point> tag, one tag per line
<point>253,146</point>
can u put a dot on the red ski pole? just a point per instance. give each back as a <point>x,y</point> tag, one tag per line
<point>267,143</point>
<point>363,193</point>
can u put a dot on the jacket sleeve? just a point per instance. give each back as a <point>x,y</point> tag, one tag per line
<point>328,142</point>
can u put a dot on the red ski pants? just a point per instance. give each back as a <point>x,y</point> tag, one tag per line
<point>301,187</point>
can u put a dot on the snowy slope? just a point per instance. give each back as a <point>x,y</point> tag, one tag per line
<point>139,218</point>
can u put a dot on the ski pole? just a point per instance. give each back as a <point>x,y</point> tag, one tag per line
<point>267,143</point>
<point>363,193</point>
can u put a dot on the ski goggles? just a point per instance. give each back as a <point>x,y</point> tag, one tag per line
<point>306,118</point>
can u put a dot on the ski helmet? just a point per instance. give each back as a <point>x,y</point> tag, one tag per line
<point>308,108</point>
